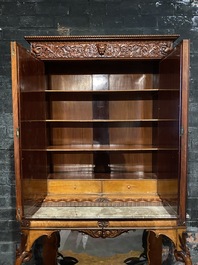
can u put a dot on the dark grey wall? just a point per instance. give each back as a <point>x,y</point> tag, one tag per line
<point>81,17</point>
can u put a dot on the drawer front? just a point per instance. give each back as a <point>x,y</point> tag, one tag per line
<point>74,187</point>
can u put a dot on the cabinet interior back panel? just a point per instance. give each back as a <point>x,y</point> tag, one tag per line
<point>130,81</point>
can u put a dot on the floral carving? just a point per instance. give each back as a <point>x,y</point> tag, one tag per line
<point>103,233</point>
<point>132,49</point>
<point>25,223</point>
<point>103,223</point>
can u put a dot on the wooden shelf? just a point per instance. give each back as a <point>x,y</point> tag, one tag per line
<point>110,121</point>
<point>112,91</point>
<point>100,121</point>
<point>119,91</point>
<point>91,175</point>
<point>107,121</point>
<point>92,148</point>
<point>106,148</point>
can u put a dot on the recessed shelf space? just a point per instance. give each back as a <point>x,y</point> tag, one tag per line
<point>100,139</point>
<point>109,125</point>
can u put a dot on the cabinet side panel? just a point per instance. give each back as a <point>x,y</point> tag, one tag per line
<point>169,108</point>
<point>168,132</point>
<point>173,106</point>
<point>15,104</point>
<point>184,76</point>
<point>30,84</point>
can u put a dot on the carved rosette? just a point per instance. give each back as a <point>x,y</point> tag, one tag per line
<point>25,223</point>
<point>111,233</point>
<point>86,50</point>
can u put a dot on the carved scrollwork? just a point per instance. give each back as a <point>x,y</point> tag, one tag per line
<point>103,223</point>
<point>27,256</point>
<point>104,202</point>
<point>111,233</point>
<point>24,256</point>
<point>25,223</point>
<point>102,199</point>
<point>72,50</point>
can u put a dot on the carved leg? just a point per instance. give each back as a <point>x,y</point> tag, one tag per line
<point>178,237</point>
<point>50,249</point>
<point>28,237</point>
<point>21,254</point>
<point>154,249</point>
<point>183,254</point>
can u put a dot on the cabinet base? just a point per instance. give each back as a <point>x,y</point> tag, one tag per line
<point>50,242</point>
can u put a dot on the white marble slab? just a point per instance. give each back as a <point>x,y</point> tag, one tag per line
<point>137,212</point>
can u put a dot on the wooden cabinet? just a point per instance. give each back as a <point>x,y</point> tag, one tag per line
<point>100,136</point>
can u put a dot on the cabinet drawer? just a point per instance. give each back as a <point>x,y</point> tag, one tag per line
<point>74,186</point>
<point>130,186</point>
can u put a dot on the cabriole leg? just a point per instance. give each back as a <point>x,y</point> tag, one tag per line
<point>21,254</point>
<point>28,237</point>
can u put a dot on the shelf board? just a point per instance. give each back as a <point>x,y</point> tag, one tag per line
<point>71,175</point>
<point>99,121</point>
<point>104,121</point>
<point>100,148</point>
<point>107,148</point>
<point>111,91</point>
<point>102,91</point>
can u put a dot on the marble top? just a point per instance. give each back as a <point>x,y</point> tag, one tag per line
<point>76,213</point>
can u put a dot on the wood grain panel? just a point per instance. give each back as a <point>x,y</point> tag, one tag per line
<point>71,109</point>
<point>71,135</point>
<point>131,162</point>
<point>70,82</point>
<point>131,107</point>
<point>131,133</point>
<point>72,162</point>
<point>130,81</point>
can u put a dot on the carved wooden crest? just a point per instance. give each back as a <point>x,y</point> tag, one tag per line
<point>147,49</point>
<point>96,47</point>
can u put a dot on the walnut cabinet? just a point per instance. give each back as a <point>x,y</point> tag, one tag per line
<point>100,137</point>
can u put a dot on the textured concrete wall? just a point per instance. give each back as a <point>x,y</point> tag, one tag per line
<point>80,17</point>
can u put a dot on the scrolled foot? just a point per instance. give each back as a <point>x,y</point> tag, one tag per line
<point>25,256</point>
<point>183,255</point>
